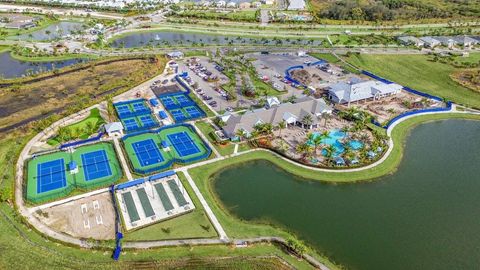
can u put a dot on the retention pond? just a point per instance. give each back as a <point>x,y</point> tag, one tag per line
<point>424,216</point>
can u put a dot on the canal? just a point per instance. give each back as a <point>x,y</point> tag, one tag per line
<point>426,215</point>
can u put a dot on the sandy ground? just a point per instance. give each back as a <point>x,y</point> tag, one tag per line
<point>91,217</point>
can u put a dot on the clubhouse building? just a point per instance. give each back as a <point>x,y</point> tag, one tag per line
<point>356,90</point>
<point>306,112</point>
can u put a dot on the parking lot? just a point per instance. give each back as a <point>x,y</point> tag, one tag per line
<point>206,79</point>
<point>271,68</point>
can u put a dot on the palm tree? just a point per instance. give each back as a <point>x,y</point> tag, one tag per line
<point>240,133</point>
<point>329,151</point>
<point>307,120</point>
<point>281,126</point>
<point>317,141</point>
<point>303,149</point>
<point>326,117</point>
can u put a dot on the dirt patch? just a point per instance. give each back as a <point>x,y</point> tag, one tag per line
<point>33,100</point>
<point>302,76</point>
<point>469,78</point>
<point>92,217</point>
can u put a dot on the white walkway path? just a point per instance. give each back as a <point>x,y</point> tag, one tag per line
<point>123,162</point>
<point>208,210</point>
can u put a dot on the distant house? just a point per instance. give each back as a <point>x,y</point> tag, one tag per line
<point>430,42</point>
<point>466,41</point>
<point>175,55</point>
<point>221,3</point>
<point>446,41</point>
<point>296,5</point>
<point>256,4</point>
<point>244,5</point>
<point>114,129</point>
<point>410,40</point>
<point>346,93</point>
<point>231,5</point>
<point>291,113</point>
<point>268,2</point>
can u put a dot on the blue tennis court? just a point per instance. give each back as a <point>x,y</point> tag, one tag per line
<point>138,107</point>
<point>95,165</point>
<point>130,124</point>
<point>168,102</point>
<point>147,152</point>
<point>183,143</point>
<point>194,112</point>
<point>122,110</point>
<point>147,121</point>
<point>51,175</point>
<point>178,115</point>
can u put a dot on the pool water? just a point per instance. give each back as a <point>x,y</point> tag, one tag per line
<point>335,138</point>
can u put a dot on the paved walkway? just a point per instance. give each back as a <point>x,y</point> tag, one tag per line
<point>122,159</point>
<point>208,210</point>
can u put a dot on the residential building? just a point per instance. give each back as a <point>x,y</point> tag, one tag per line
<point>348,92</point>
<point>446,41</point>
<point>430,42</point>
<point>244,5</point>
<point>410,40</point>
<point>175,55</point>
<point>466,41</point>
<point>296,5</point>
<point>292,113</point>
<point>231,5</point>
<point>268,2</point>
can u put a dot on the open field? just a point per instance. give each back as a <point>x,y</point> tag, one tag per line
<point>21,103</point>
<point>418,72</point>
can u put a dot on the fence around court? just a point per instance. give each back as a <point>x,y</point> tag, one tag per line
<point>74,181</point>
<point>448,106</point>
<point>82,142</point>
<point>130,113</point>
<point>173,160</point>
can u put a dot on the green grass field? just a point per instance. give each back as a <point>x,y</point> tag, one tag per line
<point>208,131</point>
<point>417,72</point>
<point>81,130</point>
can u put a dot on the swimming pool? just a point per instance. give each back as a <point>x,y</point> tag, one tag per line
<point>335,138</point>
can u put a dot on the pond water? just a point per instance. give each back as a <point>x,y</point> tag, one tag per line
<point>12,68</point>
<point>424,216</point>
<point>174,38</point>
<point>54,31</point>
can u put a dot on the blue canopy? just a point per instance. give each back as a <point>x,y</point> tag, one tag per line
<point>164,144</point>
<point>162,114</point>
<point>154,102</point>
<point>72,165</point>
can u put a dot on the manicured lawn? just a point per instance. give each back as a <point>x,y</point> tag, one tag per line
<point>326,56</point>
<point>82,129</point>
<point>208,131</point>
<point>192,225</point>
<point>417,72</point>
